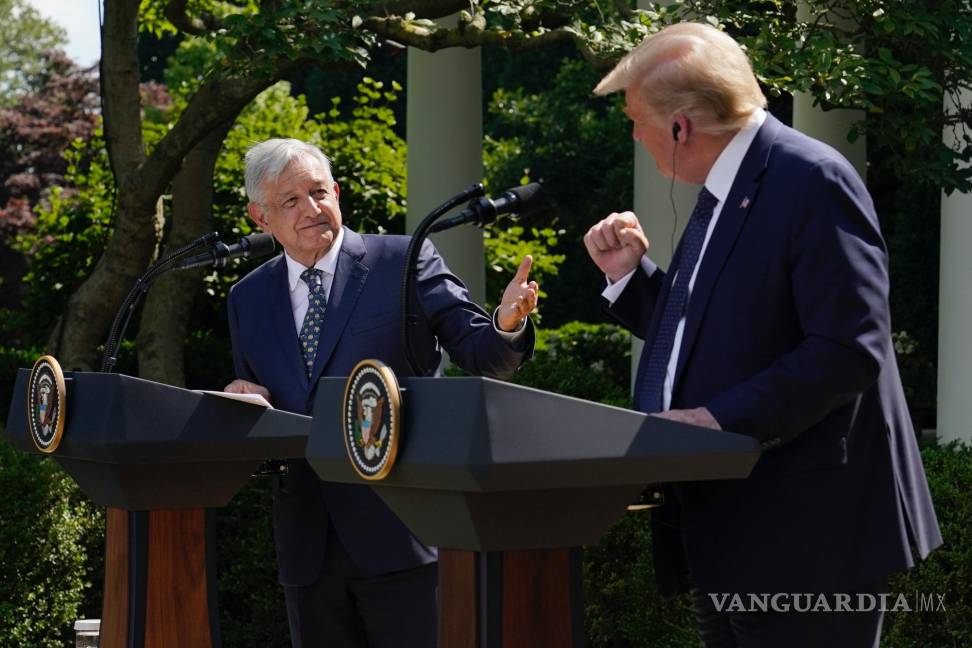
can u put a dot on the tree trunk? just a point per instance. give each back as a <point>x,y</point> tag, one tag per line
<point>165,319</point>
<point>140,180</point>
<point>91,308</point>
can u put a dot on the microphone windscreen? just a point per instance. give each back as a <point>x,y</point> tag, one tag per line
<point>529,197</point>
<point>260,244</point>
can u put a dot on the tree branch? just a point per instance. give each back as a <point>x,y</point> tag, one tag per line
<point>432,38</point>
<point>218,100</point>
<point>201,25</point>
<point>422,8</point>
<point>119,90</point>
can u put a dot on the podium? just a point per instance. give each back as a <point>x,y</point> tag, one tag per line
<point>509,481</point>
<point>159,457</point>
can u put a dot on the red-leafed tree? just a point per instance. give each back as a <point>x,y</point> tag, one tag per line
<point>60,105</point>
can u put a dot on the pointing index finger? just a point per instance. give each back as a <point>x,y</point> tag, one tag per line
<point>524,270</point>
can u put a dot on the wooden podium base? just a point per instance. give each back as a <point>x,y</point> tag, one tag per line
<point>160,586</point>
<point>510,599</point>
<point>160,589</point>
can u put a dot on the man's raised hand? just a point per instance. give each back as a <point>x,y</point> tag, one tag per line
<point>616,244</point>
<point>519,298</point>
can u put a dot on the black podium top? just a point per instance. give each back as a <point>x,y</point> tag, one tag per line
<point>487,465</point>
<point>136,444</point>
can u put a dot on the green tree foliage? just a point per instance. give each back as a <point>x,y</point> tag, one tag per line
<point>895,60</point>
<point>623,607</point>
<point>69,235</point>
<point>579,147</point>
<point>252,613</point>
<point>46,531</point>
<point>26,36</point>
<point>589,361</point>
<point>949,569</point>
<point>367,157</point>
<point>505,248</point>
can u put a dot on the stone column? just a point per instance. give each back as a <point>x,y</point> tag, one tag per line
<point>444,126</point>
<point>831,127</point>
<point>955,312</point>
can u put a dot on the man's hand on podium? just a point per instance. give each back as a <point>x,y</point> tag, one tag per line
<point>699,416</point>
<point>239,386</point>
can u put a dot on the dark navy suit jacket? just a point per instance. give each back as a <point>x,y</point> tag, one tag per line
<point>362,321</point>
<point>787,339</point>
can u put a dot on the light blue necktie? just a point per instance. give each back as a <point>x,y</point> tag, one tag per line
<point>310,330</point>
<point>654,364</point>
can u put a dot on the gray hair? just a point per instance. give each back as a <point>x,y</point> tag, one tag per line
<point>694,69</point>
<point>267,160</point>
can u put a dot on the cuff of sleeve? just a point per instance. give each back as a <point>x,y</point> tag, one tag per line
<point>615,288</point>
<point>509,336</point>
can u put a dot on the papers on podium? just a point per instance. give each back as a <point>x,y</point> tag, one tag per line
<point>252,399</point>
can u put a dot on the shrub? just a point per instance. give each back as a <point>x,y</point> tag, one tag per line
<point>252,613</point>
<point>10,361</point>
<point>622,606</point>
<point>47,530</point>
<point>948,570</point>
<point>590,361</point>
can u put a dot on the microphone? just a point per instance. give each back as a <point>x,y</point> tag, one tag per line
<point>483,211</point>
<point>248,247</point>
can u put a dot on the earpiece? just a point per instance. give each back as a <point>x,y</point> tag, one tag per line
<point>676,129</point>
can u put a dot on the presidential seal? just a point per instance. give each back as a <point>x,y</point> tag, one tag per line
<point>371,419</point>
<point>46,404</point>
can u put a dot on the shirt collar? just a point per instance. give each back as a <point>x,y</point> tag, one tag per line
<point>723,172</point>
<point>327,263</point>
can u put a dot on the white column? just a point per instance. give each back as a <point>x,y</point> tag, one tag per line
<point>955,312</point>
<point>444,129</point>
<point>831,127</point>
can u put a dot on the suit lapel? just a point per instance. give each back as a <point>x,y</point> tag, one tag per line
<point>741,197</point>
<point>281,319</point>
<point>349,280</point>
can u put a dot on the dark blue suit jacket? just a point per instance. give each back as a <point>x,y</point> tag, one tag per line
<point>361,321</point>
<point>787,339</point>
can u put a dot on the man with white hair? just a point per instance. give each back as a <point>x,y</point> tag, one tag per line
<point>772,321</point>
<point>353,574</point>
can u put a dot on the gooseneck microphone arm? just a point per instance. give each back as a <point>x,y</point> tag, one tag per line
<point>127,309</point>
<point>410,273</point>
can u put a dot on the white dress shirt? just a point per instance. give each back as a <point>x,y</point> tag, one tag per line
<point>718,182</point>
<point>300,291</point>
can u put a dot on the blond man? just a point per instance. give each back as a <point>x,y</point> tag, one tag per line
<point>772,321</point>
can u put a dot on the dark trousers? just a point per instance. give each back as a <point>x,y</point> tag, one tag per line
<point>794,629</point>
<point>347,608</point>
